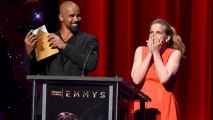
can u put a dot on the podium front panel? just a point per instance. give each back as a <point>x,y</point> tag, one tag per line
<point>85,98</point>
<point>79,101</point>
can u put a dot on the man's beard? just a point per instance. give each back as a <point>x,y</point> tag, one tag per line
<point>74,30</point>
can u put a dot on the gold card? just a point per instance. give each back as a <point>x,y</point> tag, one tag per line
<point>42,49</point>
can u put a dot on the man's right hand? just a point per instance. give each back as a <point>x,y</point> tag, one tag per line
<point>30,42</point>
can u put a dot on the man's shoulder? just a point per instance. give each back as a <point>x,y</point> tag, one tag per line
<point>87,35</point>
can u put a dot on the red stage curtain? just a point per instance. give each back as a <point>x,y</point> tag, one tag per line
<point>123,25</point>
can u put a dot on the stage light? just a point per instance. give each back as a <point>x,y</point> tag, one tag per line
<point>37,16</point>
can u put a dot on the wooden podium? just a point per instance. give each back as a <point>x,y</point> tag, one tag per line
<point>84,98</point>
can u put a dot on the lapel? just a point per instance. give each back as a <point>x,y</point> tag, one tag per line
<point>77,45</point>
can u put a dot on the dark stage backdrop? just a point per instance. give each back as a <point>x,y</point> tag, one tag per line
<point>121,26</point>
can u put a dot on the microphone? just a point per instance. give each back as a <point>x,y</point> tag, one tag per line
<point>91,49</point>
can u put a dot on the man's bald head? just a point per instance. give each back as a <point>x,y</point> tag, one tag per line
<point>67,4</point>
<point>70,16</point>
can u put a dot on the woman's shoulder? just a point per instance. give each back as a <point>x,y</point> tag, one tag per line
<point>141,48</point>
<point>172,52</point>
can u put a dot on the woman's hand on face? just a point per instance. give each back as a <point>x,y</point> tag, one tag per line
<point>149,45</point>
<point>157,43</point>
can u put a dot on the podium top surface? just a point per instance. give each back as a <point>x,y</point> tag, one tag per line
<point>78,78</point>
<point>91,79</point>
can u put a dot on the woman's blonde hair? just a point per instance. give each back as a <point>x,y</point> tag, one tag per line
<point>177,42</point>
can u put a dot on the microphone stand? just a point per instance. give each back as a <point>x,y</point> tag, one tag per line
<point>86,61</point>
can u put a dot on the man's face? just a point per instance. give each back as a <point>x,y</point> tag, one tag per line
<point>71,18</point>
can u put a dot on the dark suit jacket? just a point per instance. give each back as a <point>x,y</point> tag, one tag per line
<point>69,61</point>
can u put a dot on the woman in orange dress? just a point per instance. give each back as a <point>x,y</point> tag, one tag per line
<point>154,67</point>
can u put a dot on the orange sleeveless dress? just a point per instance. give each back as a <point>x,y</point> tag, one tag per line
<point>163,105</point>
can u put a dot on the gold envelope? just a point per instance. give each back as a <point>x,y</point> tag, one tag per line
<point>42,49</point>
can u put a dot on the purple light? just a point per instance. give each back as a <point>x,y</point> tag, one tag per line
<point>37,16</point>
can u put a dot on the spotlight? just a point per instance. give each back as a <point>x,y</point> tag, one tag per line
<point>37,16</point>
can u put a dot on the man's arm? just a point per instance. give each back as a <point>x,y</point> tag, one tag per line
<point>78,54</point>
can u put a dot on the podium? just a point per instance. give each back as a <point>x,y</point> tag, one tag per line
<point>84,98</point>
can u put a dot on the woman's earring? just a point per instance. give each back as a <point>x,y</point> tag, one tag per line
<point>169,44</point>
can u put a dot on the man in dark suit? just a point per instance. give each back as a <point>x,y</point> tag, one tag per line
<point>78,51</point>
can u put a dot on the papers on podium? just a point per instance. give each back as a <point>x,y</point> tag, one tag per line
<point>42,49</point>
